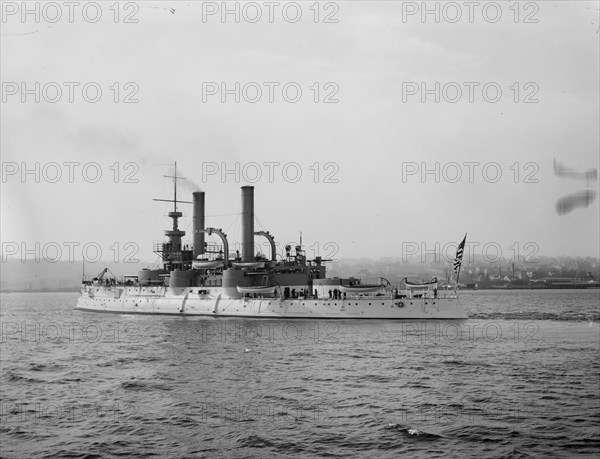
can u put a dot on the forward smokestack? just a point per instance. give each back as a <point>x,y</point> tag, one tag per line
<point>247,223</point>
<point>198,223</point>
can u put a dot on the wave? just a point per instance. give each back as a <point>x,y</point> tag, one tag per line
<point>10,376</point>
<point>413,432</point>
<point>141,386</point>
<point>537,315</point>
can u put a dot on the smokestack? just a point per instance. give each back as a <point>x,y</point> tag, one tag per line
<point>247,223</point>
<point>198,222</point>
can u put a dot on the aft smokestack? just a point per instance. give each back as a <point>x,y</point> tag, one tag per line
<point>247,223</point>
<point>198,222</point>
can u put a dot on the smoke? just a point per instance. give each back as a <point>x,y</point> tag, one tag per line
<point>566,172</point>
<point>189,185</point>
<point>184,183</point>
<point>572,201</point>
<point>583,198</point>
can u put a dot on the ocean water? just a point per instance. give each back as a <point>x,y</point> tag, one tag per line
<point>519,378</point>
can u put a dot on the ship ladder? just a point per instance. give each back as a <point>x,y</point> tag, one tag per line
<point>216,304</point>
<point>182,310</point>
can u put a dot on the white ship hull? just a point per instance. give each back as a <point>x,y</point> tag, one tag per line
<point>201,302</point>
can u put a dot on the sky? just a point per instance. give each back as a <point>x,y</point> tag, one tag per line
<point>342,108</point>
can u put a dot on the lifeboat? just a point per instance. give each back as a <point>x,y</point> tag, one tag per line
<point>248,264</point>
<point>410,285</point>
<point>359,288</point>
<point>263,290</point>
<point>207,264</point>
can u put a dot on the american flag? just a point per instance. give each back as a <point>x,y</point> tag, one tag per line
<point>459,254</point>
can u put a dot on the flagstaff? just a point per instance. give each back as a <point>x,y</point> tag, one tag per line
<point>458,259</point>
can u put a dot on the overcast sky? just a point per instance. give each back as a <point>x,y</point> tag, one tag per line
<point>372,61</point>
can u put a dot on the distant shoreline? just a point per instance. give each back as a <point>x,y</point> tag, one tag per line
<point>49,290</point>
<point>573,287</point>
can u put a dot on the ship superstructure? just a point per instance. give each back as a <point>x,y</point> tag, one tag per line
<point>208,279</point>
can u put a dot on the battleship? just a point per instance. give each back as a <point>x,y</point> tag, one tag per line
<point>203,279</point>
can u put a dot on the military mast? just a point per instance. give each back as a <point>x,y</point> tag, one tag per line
<point>174,256</point>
